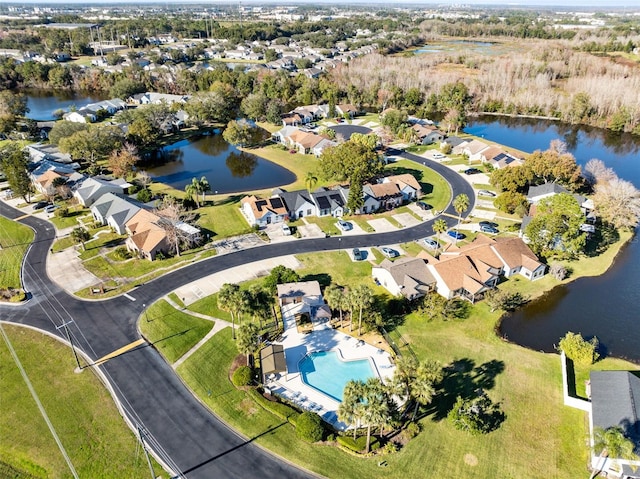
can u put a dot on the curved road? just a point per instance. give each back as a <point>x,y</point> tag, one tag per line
<point>182,432</point>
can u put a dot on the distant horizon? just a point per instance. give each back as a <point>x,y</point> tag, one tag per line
<point>551,4</point>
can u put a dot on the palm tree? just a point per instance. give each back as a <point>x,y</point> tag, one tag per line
<point>374,406</point>
<point>362,296</point>
<point>350,409</point>
<point>403,377</point>
<point>422,386</point>
<point>439,227</point>
<point>248,335</point>
<point>334,295</point>
<point>310,180</point>
<point>228,301</point>
<point>193,190</point>
<point>80,235</point>
<point>204,187</point>
<point>460,204</point>
<point>611,443</point>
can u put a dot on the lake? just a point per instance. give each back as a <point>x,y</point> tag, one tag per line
<point>43,103</point>
<point>606,306</point>
<point>462,46</point>
<point>227,169</point>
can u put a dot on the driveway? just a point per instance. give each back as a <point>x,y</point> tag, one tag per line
<point>311,230</point>
<point>66,269</point>
<point>355,230</point>
<point>382,225</point>
<point>406,219</point>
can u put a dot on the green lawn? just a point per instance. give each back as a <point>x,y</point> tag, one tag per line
<point>224,219</point>
<point>171,331</point>
<point>75,213</point>
<point>435,188</point>
<point>15,238</point>
<point>83,414</point>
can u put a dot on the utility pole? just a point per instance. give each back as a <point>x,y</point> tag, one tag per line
<point>66,330</point>
<point>142,433</point>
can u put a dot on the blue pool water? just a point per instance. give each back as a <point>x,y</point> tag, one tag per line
<point>326,372</point>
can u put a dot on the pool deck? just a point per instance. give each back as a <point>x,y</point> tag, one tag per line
<point>296,345</point>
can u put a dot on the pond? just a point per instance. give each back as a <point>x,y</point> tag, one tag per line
<point>227,169</point>
<point>43,103</point>
<point>606,306</point>
<point>462,46</point>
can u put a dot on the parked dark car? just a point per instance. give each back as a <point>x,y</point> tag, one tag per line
<point>472,171</point>
<point>40,204</point>
<point>424,206</point>
<point>488,223</point>
<point>357,254</point>
<point>456,235</point>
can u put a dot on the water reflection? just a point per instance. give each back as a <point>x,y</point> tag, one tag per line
<point>227,169</point>
<point>605,306</point>
<point>241,164</point>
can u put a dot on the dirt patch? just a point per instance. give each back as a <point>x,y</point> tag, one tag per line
<point>470,459</point>
<point>248,406</point>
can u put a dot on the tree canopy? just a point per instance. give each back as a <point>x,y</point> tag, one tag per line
<point>350,160</point>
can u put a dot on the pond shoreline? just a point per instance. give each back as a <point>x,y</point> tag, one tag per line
<point>540,295</point>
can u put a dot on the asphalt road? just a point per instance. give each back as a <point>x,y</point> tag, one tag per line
<point>191,440</point>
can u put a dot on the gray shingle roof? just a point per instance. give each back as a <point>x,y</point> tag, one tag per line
<point>615,401</point>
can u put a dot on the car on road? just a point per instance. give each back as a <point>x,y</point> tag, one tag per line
<point>424,206</point>
<point>389,252</point>
<point>489,229</point>
<point>456,235</point>
<point>472,171</point>
<point>357,254</point>
<point>430,243</point>
<point>344,225</point>
<point>40,204</point>
<point>486,193</point>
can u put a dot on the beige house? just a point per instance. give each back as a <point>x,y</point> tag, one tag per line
<point>146,237</point>
<point>408,277</point>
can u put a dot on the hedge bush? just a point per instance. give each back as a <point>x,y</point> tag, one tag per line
<point>309,427</point>
<point>283,411</point>
<point>359,444</point>
<point>243,376</point>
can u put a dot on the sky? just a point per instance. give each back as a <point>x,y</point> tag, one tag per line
<point>556,4</point>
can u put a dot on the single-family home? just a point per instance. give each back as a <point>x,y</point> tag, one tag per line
<point>291,119</point>
<point>472,149</point>
<point>329,202</point>
<point>388,194</point>
<point>299,203</point>
<point>146,237</point>
<point>322,145</point>
<point>90,189</point>
<point>426,134</point>
<point>263,211</point>
<point>407,184</point>
<point>114,210</point>
<point>498,158</point>
<point>306,116</point>
<point>615,402</point>
<point>346,109</point>
<point>49,182</point>
<point>409,277</point>
<point>462,276</point>
<point>80,116</point>
<point>39,152</point>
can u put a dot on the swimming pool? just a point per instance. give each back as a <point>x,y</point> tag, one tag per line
<point>328,373</point>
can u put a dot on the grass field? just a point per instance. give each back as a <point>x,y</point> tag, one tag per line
<point>83,414</point>
<point>540,438</point>
<point>172,332</point>
<point>14,241</point>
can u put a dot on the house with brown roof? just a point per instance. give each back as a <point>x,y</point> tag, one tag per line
<point>498,158</point>
<point>463,276</point>
<point>426,134</point>
<point>146,236</point>
<point>346,109</point>
<point>408,277</point>
<point>407,184</point>
<point>470,270</point>
<point>388,195</point>
<point>473,149</point>
<point>263,211</point>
